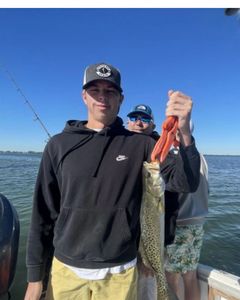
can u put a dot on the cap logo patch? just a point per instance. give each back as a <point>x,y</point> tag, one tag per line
<point>103,71</point>
<point>142,107</point>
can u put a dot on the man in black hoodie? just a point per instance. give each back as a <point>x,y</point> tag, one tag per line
<point>88,194</point>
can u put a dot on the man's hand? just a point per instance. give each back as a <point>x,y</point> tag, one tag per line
<point>180,105</point>
<point>34,291</point>
<point>144,270</point>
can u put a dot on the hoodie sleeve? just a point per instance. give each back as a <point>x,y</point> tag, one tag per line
<point>44,213</point>
<point>181,171</point>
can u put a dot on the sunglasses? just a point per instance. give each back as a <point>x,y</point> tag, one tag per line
<point>140,118</point>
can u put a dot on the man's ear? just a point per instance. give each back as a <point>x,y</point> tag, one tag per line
<point>121,99</point>
<point>84,96</point>
<point>153,126</point>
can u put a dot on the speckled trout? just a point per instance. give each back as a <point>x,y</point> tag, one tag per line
<point>152,226</point>
<point>153,209</point>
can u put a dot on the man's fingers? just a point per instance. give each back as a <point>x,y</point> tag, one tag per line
<point>170,92</point>
<point>146,271</point>
<point>177,94</point>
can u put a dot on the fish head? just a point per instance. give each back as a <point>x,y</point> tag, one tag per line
<point>153,179</point>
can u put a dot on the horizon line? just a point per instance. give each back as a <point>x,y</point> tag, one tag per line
<point>33,151</point>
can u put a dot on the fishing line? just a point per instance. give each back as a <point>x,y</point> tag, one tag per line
<point>27,102</point>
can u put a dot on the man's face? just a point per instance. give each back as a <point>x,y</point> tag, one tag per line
<point>103,101</point>
<point>141,123</point>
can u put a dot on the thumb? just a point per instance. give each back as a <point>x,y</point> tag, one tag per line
<point>170,92</point>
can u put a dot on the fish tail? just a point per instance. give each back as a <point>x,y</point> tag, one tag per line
<point>162,287</point>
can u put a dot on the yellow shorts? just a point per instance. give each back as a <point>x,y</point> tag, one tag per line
<point>64,284</point>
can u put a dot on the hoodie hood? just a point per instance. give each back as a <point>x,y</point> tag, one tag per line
<point>76,134</point>
<point>76,126</point>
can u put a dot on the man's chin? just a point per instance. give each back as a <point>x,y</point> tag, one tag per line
<point>139,131</point>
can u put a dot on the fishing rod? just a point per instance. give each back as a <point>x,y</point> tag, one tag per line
<point>27,102</point>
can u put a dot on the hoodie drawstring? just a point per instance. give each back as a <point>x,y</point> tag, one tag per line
<point>79,144</point>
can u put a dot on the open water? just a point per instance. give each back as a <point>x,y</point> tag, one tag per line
<point>221,245</point>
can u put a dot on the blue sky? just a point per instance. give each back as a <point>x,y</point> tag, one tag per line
<point>193,50</point>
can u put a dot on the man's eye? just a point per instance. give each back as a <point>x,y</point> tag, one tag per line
<point>112,92</point>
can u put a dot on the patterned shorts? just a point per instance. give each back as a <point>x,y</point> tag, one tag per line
<point>183,255</point>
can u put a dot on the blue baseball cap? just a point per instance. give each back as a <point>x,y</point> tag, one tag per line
<point>141,109</point>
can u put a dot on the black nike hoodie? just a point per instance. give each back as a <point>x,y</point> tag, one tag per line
<point>88,193</point>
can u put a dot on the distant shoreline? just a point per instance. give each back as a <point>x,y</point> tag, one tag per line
<point>21,152</point>
<point>8,152</point>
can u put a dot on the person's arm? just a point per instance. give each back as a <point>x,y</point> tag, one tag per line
<point>34,291</point>
<point>180,105</point>
<point>182,172</point>
<point>44,213</point>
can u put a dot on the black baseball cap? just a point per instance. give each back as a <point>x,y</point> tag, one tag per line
<point>102,71</point>
<point>141,109</point>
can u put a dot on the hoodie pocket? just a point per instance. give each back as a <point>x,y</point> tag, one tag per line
<point>93,234</point>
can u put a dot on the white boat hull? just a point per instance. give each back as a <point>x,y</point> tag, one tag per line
<point>221,285</point>
<point>216,284</point>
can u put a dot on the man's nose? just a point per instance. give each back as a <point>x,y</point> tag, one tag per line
<point>139,121</point>
<point>102,95</point>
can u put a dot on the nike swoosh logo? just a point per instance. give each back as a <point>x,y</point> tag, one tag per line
<point>121,157</point>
